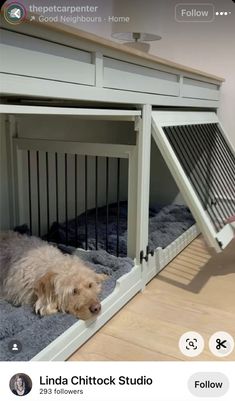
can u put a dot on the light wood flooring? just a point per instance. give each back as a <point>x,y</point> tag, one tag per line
<point>195,292</point>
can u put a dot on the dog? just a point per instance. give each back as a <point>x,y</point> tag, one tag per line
<point>33,272</point>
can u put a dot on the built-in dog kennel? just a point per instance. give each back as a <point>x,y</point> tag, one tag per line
<point>110,154</point>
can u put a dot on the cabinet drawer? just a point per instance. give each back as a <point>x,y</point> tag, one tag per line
<point>196,89</point>
<point>29,56</point>
<point>132,77</point>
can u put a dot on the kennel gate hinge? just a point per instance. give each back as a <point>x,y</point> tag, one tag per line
<point>146,257</point>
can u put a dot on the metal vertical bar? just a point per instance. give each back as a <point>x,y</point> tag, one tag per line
<point>107,202</point>
<point>48,194</point>
<point>66,196</point>
<point>76,199</point>
<point>96,202</point>
<point>227,160</point>
<point>118,203</point>
<point>218,154</point>
<point>230,155</point>
<point>38,192</point>
<point>86,211</point>
<point>192,158</point>
<point>189,161</point>
<point>30,195</point>
<point>56,187</point>
<point>202,162</point>
<point>219,177</point>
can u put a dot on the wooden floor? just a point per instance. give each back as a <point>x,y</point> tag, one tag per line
<point>196,291</point>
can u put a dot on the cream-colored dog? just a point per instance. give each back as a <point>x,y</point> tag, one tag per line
<point>36,273</point>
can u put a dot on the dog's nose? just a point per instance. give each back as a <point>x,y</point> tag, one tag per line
<point>95,308</point>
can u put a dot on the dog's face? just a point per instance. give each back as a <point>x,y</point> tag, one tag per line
<point>75,293</point>
<point>82,299</point>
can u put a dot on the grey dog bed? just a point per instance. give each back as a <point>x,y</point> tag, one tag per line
<point>165,225</point>
<point>34,332</point>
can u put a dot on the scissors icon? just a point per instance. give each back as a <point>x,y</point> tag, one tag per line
<point>220,344</point>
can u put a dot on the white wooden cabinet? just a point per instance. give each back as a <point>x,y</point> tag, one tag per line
<point>56,70</point>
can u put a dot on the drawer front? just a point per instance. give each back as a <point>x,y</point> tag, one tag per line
<point>28,56</point>
<point>131,77</point>
<point>193,88</point>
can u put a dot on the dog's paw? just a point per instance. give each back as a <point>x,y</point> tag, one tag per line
<point>44,310</point>
<point>101,277</point>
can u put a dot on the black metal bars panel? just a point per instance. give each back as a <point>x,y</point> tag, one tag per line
<point>29,192</point>
<point>118,203</point>
<point>209,164</point>
<point>38,195</point>
<point>65,189</point>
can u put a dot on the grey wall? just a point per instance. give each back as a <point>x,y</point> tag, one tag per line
<point>163,189</point>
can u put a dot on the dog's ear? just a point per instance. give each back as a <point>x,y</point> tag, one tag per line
<point>45,285</point>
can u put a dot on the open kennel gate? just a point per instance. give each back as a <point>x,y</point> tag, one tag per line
<point>202,161</point>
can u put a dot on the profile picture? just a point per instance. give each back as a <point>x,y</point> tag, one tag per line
<point>20,384</point>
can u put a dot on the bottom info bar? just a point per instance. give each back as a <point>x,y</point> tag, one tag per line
<point>129,381</point>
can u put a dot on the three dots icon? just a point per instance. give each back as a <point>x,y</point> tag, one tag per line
<point>223,13</point>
